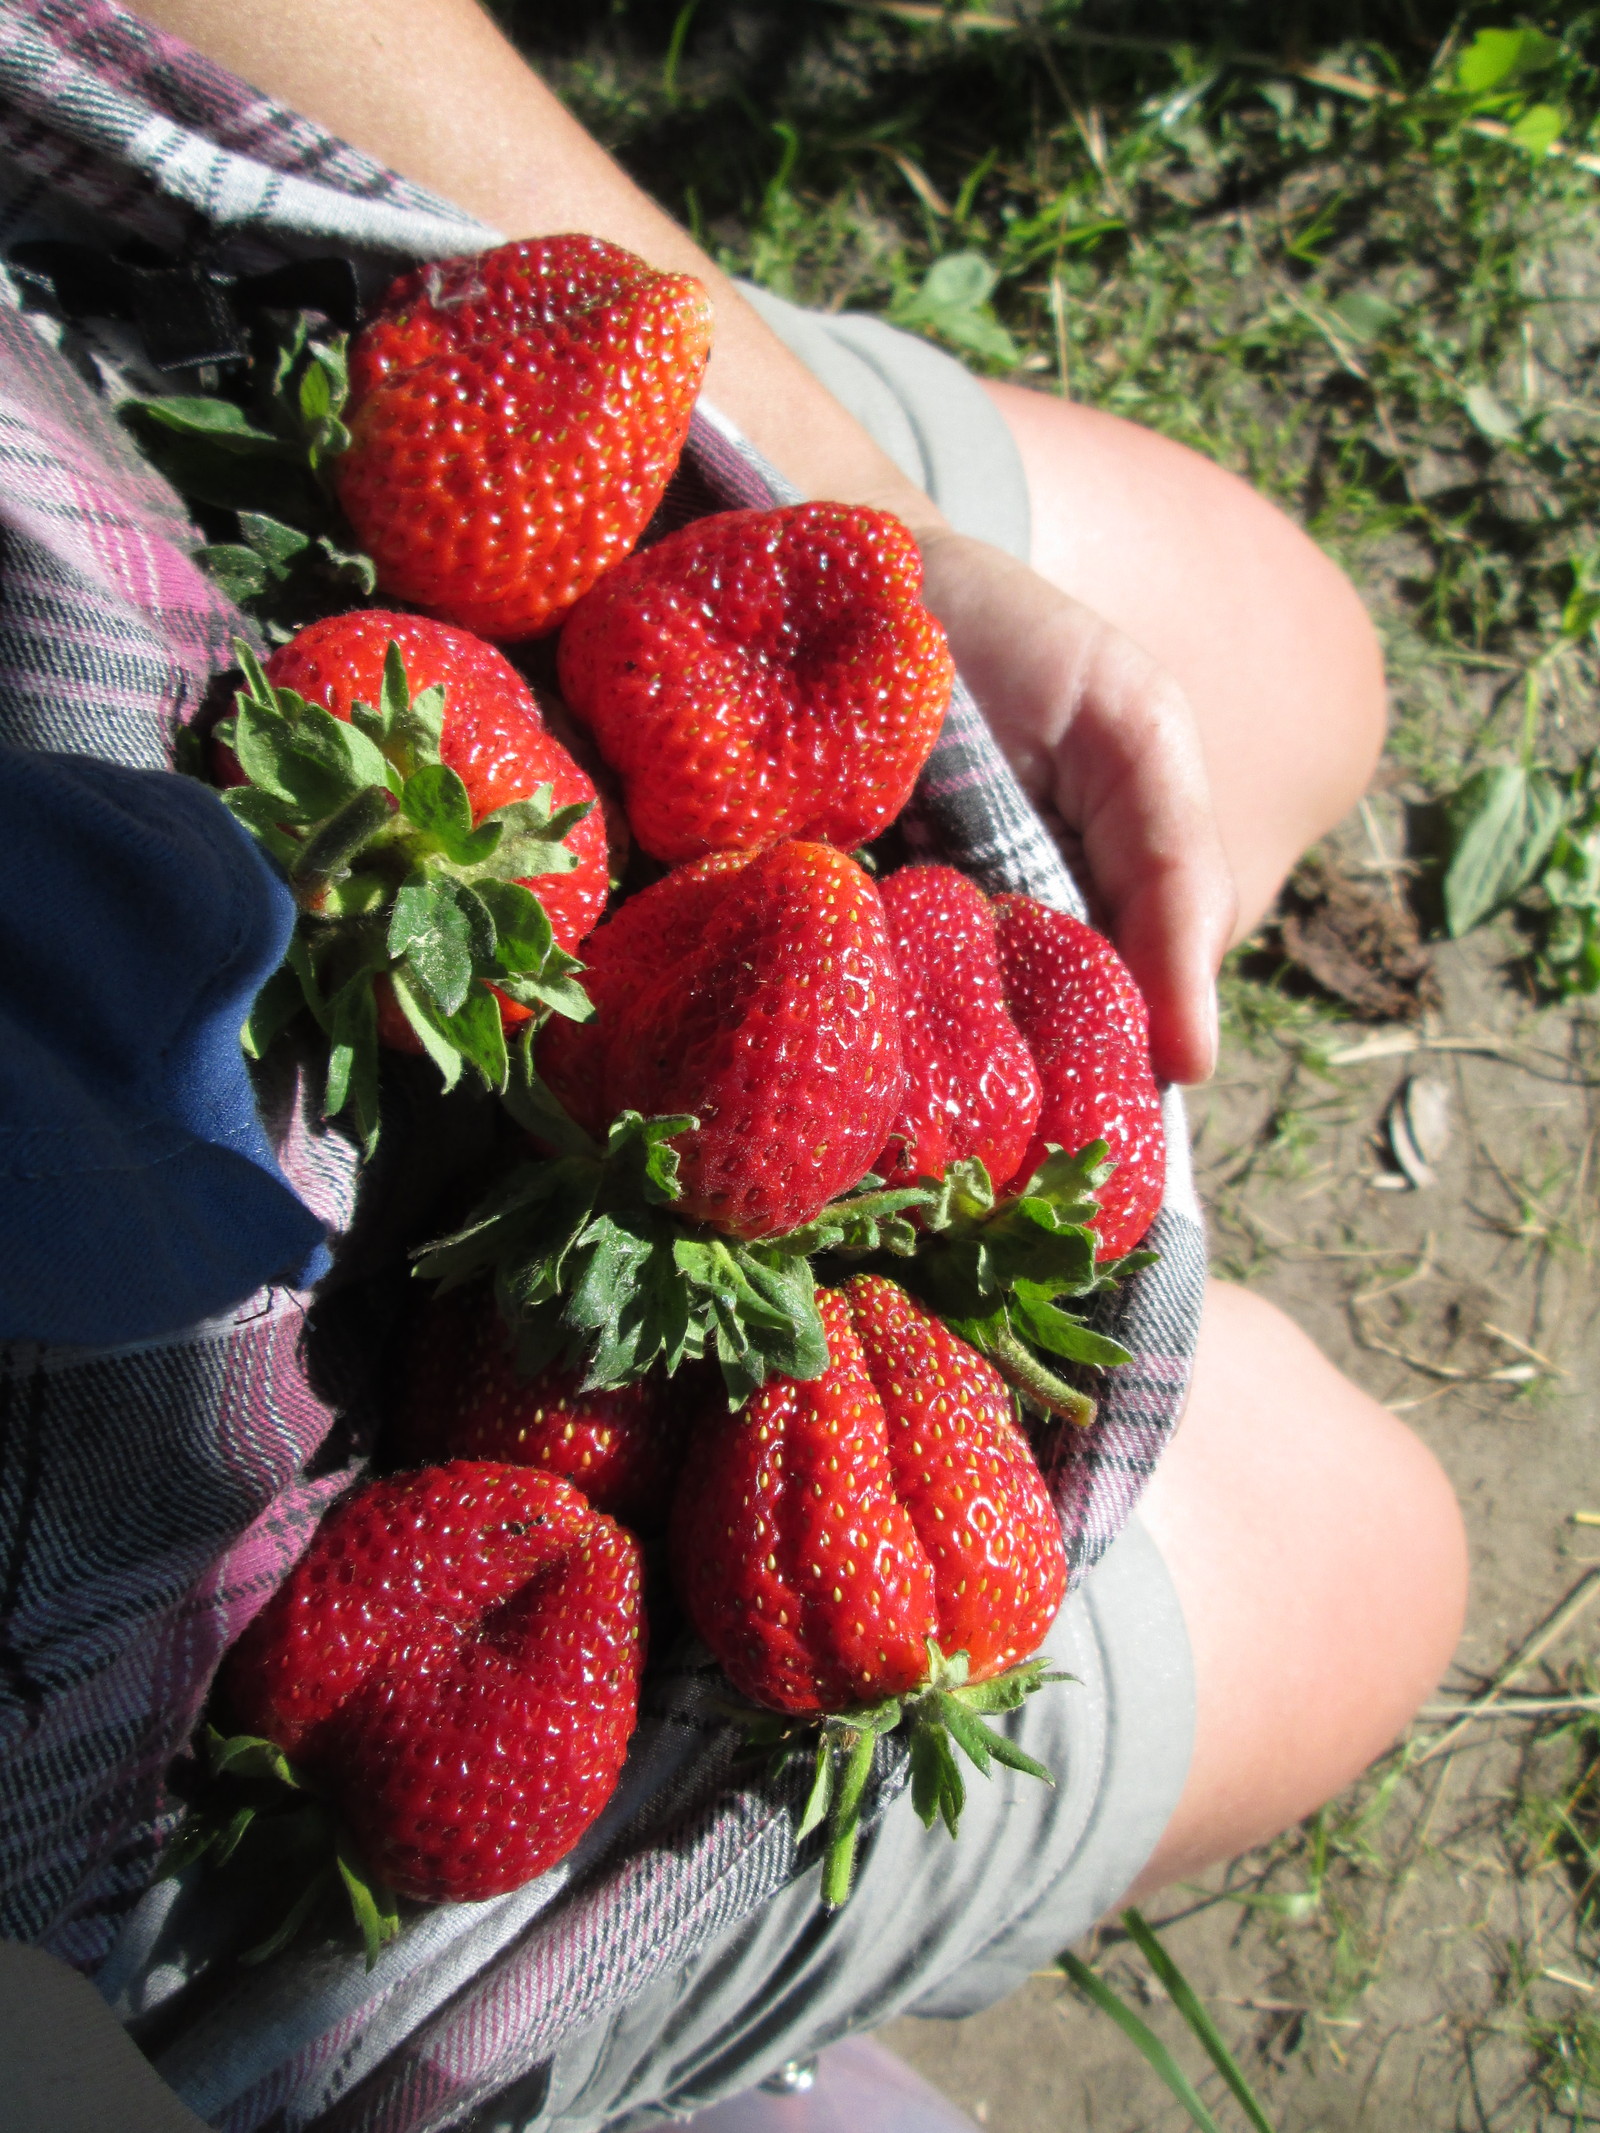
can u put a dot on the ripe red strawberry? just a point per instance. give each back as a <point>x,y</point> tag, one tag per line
<point>971,1085</point>
<point>758,995</point>
<point>762,675</point>
<point>967,1475</point>
<point>821,1535</point>
<point>514,419</point>
<point>493,738</point>
<point>456,1660</point>
<point>1075,1001</point>
<point>464,1399</point>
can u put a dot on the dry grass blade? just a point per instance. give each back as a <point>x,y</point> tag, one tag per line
<point>1571,1609</point>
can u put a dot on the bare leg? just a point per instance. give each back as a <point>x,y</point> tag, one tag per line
<point>1320,1562</point>
<point>1267,638</point>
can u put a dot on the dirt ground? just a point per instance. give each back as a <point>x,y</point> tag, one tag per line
<point>1409,1960</point>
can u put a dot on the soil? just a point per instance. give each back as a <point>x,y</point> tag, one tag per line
<point>1395,1993</point>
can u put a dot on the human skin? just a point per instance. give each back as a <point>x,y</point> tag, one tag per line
<point>1194,692</point>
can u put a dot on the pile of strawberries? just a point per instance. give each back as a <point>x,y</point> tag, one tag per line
<point>811,1158</point>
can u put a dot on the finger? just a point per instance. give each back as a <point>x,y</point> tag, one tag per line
<point>1130,779</point>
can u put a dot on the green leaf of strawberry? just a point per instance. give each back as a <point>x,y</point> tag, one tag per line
<point>409,907</point>
<point>998,1272</point>
<point>593,1267</point>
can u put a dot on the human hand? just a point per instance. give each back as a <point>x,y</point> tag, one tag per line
<point>1103,741</point>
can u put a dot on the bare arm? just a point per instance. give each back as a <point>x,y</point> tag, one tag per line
<point>1094,729</point>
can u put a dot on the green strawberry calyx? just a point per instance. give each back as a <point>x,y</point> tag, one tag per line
<point>1001,1273</point>
<point>946,1713</point>
<point>593,1267</point>
<point>262,452</point>
<point>251,1798</point>
<point>395,883</point>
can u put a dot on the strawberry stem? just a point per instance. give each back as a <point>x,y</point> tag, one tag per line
<point>1022,1368</point>
<point>329,852</point>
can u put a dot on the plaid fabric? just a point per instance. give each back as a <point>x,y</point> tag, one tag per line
<point>151,1499</point>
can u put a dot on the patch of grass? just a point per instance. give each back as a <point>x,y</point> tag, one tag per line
<point>1296,252</point>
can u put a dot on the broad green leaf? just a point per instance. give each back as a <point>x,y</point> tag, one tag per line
<point>642,1150</point>
<point>302,752</point>
<point>1035,1316</point>
<point>845,1819</point>
<point>276,1005</point>
<point>353,1056</point>
<point>419,1012</point>
<point>1539,128</point>
<point>1501,825</point>
<point>927,1774</point>
<point>238,570</point>
<point>412,725</point>
<point>479,1034</point>
<point>953,302</point>
<point>249,1755</point>
<point>348,564</point>
<point>556,987</point>
<point>430,929</point>
<point>219,422</point>
<point>820,1797</point>
<point>522,926</point>
<point>373,1905</point>
<point>269,538</point>
<point>1497,58</point>
<point>531,836</point>
<point>436,800</point>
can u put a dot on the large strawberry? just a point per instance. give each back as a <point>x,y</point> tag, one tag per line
<point>827,1530</point>
<point>456,1661</point>
<point>971,1085</point>
<point>762,675</point>
<point>758,996</point>
<point>463,1398</point>
<point>874,1544</point>
<point>443,847</point>
<point>1088,1028</point>
<point>514,418</point>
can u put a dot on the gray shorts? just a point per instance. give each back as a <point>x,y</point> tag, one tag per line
<point>929,414</point>
<point>934,1927</point>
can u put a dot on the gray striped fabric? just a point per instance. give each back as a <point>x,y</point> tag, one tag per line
<point>151,1499</point>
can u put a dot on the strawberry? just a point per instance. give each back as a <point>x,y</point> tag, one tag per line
<point>493,737</point>
<point>456,1660</point>
<point>824,1533</point>
<point>758,996</point>
<point>514,418</point>
<point>1075,1001</point>
<point>464,1399</point>
<point>971,1085</point>
<point>399,773</point>
<point>874,1546</point>
<point>794,1557</point>
<point>762,675</point>
<point>967,1476</point>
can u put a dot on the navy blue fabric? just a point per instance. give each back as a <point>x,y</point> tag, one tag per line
<point>138,1192</point>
